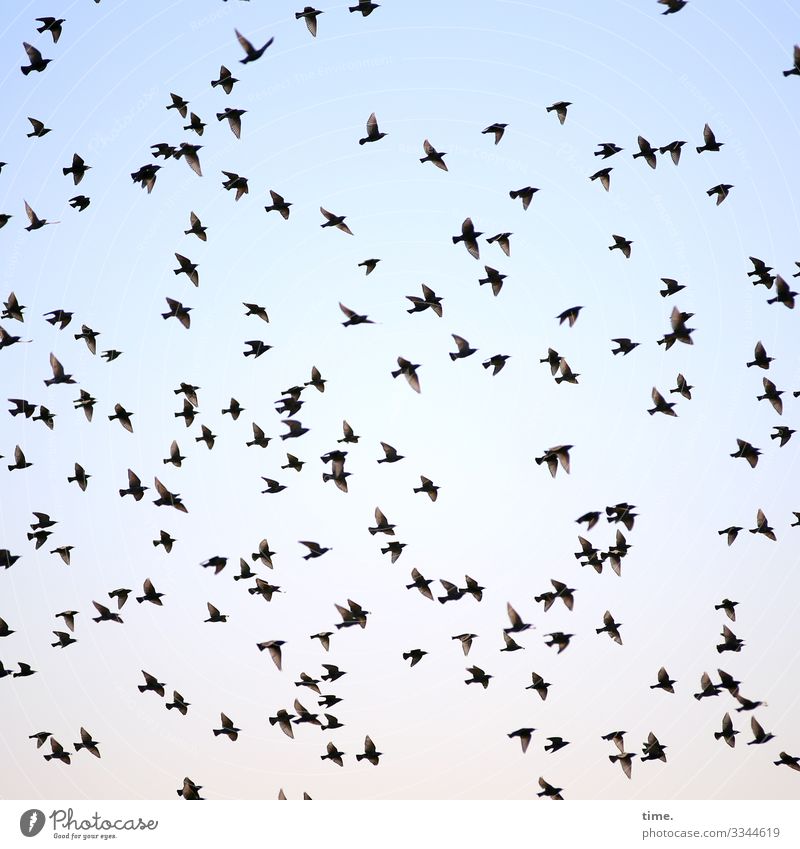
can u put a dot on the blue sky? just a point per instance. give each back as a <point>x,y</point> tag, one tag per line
<point>441,73</point>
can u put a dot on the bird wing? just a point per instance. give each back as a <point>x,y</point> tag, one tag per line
<point>513,616</point>
<point>372,126</point>
<point>708,135</point>
<point>348,312</point>
<point>329,215</point>
<point>246,45</point>
<point>33,54</point>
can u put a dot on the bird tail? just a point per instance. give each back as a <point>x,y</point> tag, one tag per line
<point>217,732</point>
<point>26,70</point>
<point>453,356</point>
<point>142,688</point>
<point>360,757</point>
<point>699,149</point>
<point>66,171</point>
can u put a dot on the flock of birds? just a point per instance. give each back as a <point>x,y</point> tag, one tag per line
<point>289,405</point>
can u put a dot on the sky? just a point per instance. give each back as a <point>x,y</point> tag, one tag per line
<point>441,72</point>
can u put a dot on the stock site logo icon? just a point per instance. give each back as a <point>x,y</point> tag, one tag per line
<point>31,822</point>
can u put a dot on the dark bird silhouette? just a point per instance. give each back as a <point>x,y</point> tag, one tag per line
<point>607,149</point>
<point>525,195</point>
<point>621,244</point>
<point>151,683</point>
<point>760,357</point>
<point>496,363</point>
<point>89,336</point>
<point>195,229</point>
<point>550,791</point>
<point>35,60</point>
<point>225,80</point>
<point>673,6</point>
<point>257,348</point>
<point>88,743</point>
<point>59,317</point>
<point>783,294</point>
<point>179,703</point>
<point>409,370</point>
<point>79,202</point>
<point>165,540</point>
<point>664,682</point>
<point>660,405</point>
<point>646,151</point>
<point>772,394</point>
<point>478,676</point>
<point>729,607</point>
<point>235,181</point>
<point>683,388</point>
<point>370,754</point>
<point>51,25</point>
<point>624,346</point>
<point>353,317</point>
<point>167,498</point>
<point>366,7</point>
<point>309,14</point>
<point>57,750</point>
<point>251,53</point>
<point>234,119</point>
<point>558,454</point>
<point>382,525</point>
<point>730,641</point>
<point>415,656</point>
<point>604,176</point>
<point>373,132</point>
<point>179,311</point>
<point>784,759</point>
<point>497,130</point>
<point>469,236</point>
<point>783,433</point>
<point>560,108</point>
<point>495,278</point>
<point>463,348</point>
<point>36,223</point>
<point>19,461</point>
<point>555,743</point>
<point>150,594</point>
<point>123,417</point>
<point>517,624</point>
<point>335,221</point>
<point>428,487</point>
<point>421,583</point>
<point>503,240</point>
<point>795,69</point>
<point>434,156</point>
<point>728,733</point>
<point>314,549</point>
<point>189,153</point>
<point>721,191</point>
<point>78,169</point>
<point>560,639</point>
<point>672,287</point>
<point>278,205</point>
<point>105,615</point>
<point>762,526</point>
<point>610,627</point>
<point>570,316</point>
<point>38,129</point>
<point>146,176</point>
<point>674,150</point>
<point>710,141</point>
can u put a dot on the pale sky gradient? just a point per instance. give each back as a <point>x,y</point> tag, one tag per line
<point>442,72</point>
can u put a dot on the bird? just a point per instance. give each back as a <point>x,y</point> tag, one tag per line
<point>317,380</point>
<point>415,656</point>
<point>88,743</point>
<point>604,176</point>
<point>428,487</point>
<point>89,336</point>
<point>225,80</point>
<point>370,753</point>
<point>337,221</point>
<point>795,69</point>
<point>503,241</point>
<point>463,348</point>
<point>497,130</point>
<point>353,317</point>
<point>555,743</point>
<point>390,454</point>
<point>333,755</point>
<point>63,552</point>
<point>524,735</point>
<point>228,728</point>
<point>434,156</point>
<point>324,638</point>
<point>607,149</point>
<point>772,394</point>
<point>79,202</point>
<point>762,526</point>
<point>621,244</point>
<point>525,195</point>
<point>560,108</point>
<point>760,357</point>
<point>152,684</point>
<point>610,627</point>
<point>783,293</point>
<point>69,618</point>
<point>146,176</point>
<point>190,791</point>
<point>783,433</point>
<point>78,169</point>
<point>660,405</point>
<point>511,644</point>
<point>36,223</point>
<point>189,153</point>
<point>178,104</point>
<point>259,437</point>
<point>206,436</point>
<point>309,14</point>
<point>51,25</point>
<point>382,525</point>
<point>495,278</point>
<point>165,540</point>
<point>353,614</point>
<point>517,624</point>
<point>728,733</point>
<point>570,316</point>
<point>369,264</point>
<point>496,362</point>
<point>559,639</point>
<point>673,6</point>
<point>57,750</point>
<point>279,205</point>
<point>257,348</point>
<point>105,614</point>
<point>478,676</point>
<point>539,685</point>
<point>747,452</point>
<point>373,132</point>
<point>35,60</point>
<point>314,549</point>
<point>558,454</point>
<point>150,594</point>
<point>235,181</point>
<point>730,642</point>
<point>409,370</point>
<point>625,760</point>
<point>672,287</point>
<point>646,151</point>
<point>214,615</point>
<point>683,388</point>
<point>674,150</point>
<point>274,649</point>
<point>38,129</point>
<point>722,190</point>
<point>167,498</point>
<point>349,433</point>
<point>123,417</point>
<point>283,720</point>
<point>469,236</point>
<point>664,682</point>
<point>251,53</point>
<point>19,461</point>
<point>421,583</point>
<point>234,119</point>
<point>624,346</point>
<point>366,7</point>
<point>549,790</point>
<point>40,737</point>
<point>784,759</point>
<point>179,703</point>
<point>121,595</point>
<point>60,317</point>
<point>729,607</point>
<point>272,486</point>
<point>562,591</point>
<point>653,750</point>
<point>710,141</point>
